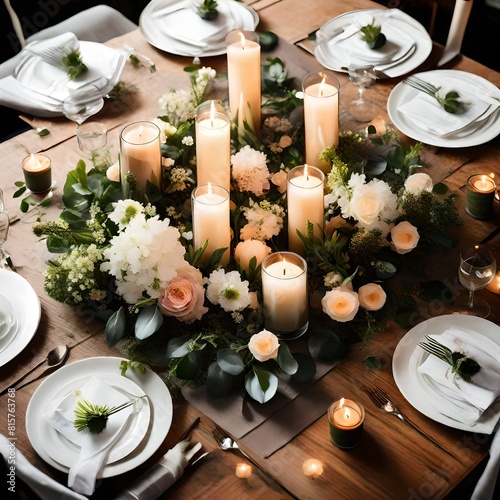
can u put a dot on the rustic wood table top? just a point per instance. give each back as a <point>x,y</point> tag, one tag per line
<point>392,461</point>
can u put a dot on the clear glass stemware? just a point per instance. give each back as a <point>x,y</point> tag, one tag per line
<point>360,108</point>
<point>477,269</point>
<point>82,104</point>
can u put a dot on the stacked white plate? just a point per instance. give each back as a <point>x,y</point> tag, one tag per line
<point>339,42</point>
<point>419,116</point>
<point>39,88</point>
<point>174,26</point>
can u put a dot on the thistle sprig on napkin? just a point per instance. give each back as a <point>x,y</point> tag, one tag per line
<point>460,364</point>
<point>373,36</point>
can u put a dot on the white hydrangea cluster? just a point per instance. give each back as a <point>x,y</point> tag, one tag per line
<point>144,256</point>
<point>179,105</point>
<point>265,220</point>
<point>250,170</point>
<point>227,290</point>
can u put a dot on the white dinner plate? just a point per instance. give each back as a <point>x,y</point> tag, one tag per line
<point>159,24</point>
<point>473,135</point>
<point>337,61</point>
<point>160,403</point>
<point>65,452</point>
<point>27,304</point>
<point>413,385</point>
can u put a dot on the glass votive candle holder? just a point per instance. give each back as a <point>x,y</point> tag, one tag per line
<point>480,196</point>
<point>284,292</point>
<point>91,136</point>
<point>37,170</point>
<point>346,419</point>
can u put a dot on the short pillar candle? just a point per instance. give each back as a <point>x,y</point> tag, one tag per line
<point>37,170</point>
<point>321,116</point>
<point>346,419</point>
<point>284,292</point>
<point>480,195</point>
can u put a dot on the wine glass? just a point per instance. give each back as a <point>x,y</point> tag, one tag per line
<point>92,136</point>
<point>361,109</point>
<point>477,269</point>
<point>83,103</point>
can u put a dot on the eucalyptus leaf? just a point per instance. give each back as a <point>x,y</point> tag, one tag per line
<point>306,369</point>
<point>188,366</point>
<point>148,322</point>
<point>261,385</point>
<point>81,190</point>
<point>286,361</point>
<point>56,244</point>
<point>177,347</point>
<point>230,361</point>
<point>372,363</point>
<point>219,383</point>
<point>440,188</point>
<point>327,346</point>
<point>115,327</point>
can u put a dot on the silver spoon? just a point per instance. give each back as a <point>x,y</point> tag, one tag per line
<point>55,358</point>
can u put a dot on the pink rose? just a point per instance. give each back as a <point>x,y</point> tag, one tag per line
<point>184,295</point>
<point>404,237</point>
<point>341,304</point>
<point>264,346</point>
<point>372,297</point>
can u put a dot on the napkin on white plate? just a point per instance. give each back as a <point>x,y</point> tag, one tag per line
<point>44,486</point>
<point>94,448</point>
<point>162,475</point>
<point>429,115</point>
<point>52,50</point>
<point>465,401</point>
<point>485,487</point>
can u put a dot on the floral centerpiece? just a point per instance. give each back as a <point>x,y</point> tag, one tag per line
<point>130,260</point>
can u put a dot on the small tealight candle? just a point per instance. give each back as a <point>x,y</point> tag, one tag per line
<point>480,195</point>
<point>312,468</point>
<point>346,418</point>
<point>37,173</point>
<point>494,284</point>
<point>243,470</point>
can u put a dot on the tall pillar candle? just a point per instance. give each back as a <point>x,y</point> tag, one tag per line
<point>305,204</point>
<point>211,220</point>
<point>321,116</point>
<point>140,154</point>
<point>480,195</point>
<point>37,170</point>
<point>284,292</point>
<point>213,146</point>
<point>244,77</point>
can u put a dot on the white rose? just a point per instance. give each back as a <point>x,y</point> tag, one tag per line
<point>417,183</point>
<point>372,297</point>
<point>341,304</point>
<point>404,237</point>
<point>264,346</point>
<point>367,203</point>
<point>113,172</point>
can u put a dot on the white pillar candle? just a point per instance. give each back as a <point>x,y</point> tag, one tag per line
<point>140,154</point>
<point>213,146</point>
<point>305,195</point>
<point>244,77</point>
<point>321,116</point>
<point>284,291</point>
<point>211,220</point>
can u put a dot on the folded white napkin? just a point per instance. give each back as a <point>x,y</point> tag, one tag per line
<point>162,475</point>
<point>44,486</point>
<point>94,448</point>
<point>52,50</point>
<point>429,115</point>
<point>465,401</point>
<point>485,487</point>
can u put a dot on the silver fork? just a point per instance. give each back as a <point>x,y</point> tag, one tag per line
<point>383,401</point>
<point>228,443</point>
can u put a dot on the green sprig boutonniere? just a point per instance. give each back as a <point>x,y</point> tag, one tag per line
<point>373,36</point>
<point>460,364</point>
<point>73,63</point>
<point>208,10</point>
<point>95,417</point>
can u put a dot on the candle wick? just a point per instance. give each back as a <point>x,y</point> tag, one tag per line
<point>284,272</point>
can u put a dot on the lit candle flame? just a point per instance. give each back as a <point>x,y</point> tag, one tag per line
<point>322,85</point>
<point>37,164</point>
<point>483,181</point>
<point>243,40</point>
<point>306,171</point>
<point>209,188</point>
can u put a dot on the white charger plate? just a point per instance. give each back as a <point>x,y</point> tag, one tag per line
<point>486,130</point>
<point>155,27</point>
<point>67,453</point>
<point>415,30</point>
<point>27,304</point>
<point>160,403</point>
<point>413,385</point>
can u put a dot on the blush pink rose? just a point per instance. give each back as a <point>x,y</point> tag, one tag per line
<point>264,345</point>
<point>184,296</point>
<point>404,237</point>
<point>246,250</point>
<point>372,297</point>
<point>341,304</point>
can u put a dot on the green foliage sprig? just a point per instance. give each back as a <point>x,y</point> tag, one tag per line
<point>373,36</point>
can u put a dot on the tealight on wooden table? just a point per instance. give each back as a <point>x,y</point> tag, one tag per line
<point>391,460</point>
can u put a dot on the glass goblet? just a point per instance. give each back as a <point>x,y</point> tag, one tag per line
<point>92,136</point>
<point>477,269</point>
<point>82,104</point>
<point>361,109</point>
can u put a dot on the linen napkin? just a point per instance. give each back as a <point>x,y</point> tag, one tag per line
<point>460,400</point>
<point>94,448</point>
<point>162,475</point>
<point>427,114</point>
<point>44,486</point>
<point>485,487</point>
<point>52,50</point>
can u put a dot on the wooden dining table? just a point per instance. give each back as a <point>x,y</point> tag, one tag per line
<point>392,461</point>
